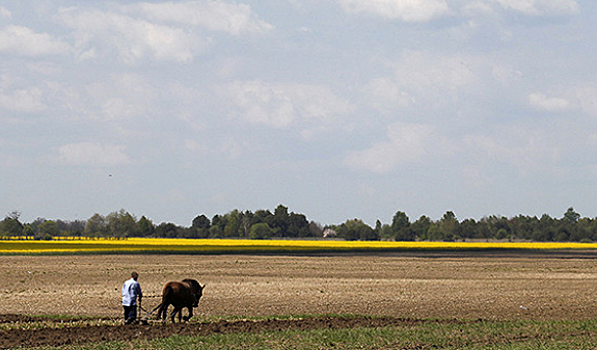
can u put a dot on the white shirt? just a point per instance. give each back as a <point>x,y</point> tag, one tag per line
<point>130,291</point>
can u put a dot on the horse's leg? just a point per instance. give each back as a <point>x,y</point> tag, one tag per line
<point>186,318</point>
<point>159,314</point>
<point>163,312</point>
<point>166,294</point>
<point>174,312</point>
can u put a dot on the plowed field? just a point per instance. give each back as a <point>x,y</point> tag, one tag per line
<point>451,287</point>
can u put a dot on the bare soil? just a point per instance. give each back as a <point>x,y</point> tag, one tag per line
<point>398,288</point>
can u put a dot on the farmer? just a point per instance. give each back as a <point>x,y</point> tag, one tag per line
<point>131,290</point>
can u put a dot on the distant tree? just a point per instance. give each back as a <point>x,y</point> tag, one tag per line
<point>584,231</point>
<point>315,229</point>
<point>245,223</point>
<point>260,216</point>
<point>168,230</point>
<point>216,232</point>
<point>383,231</point>
<point>356,229</point>
<point>298,226</point>
<point>28,231</point>
<point>421,227</point>
<point>571,216</point>
<point>233,221</point>
<point>501,234</point>
<point>218,223</point>
<point>280,221</point>
<point>145,227</point>
<point>47,230</point>
<point>63,227</point>
<point>468,228</point>
<point>71,228</point>
<point>401,227</point>
<point>522,226</point>
<point>201,226</point>
<point>121,224</point>
<point>449,226</point>
<point>35,224</point>
<point>435,233</point>
<point>96,226</point>
<point>261,231</point>
<point>11,226</point>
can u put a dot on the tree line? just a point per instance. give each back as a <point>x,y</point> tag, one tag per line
<point>264,224</point>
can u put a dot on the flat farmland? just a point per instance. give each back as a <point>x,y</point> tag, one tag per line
<point>257,294</point>
<point>455,286</point>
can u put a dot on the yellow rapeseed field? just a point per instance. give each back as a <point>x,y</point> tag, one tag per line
<point>207,246</point>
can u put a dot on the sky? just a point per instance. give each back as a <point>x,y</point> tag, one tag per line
<point>337,109</point>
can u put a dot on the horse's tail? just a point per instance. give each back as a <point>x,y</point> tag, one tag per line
<point>166,293</point>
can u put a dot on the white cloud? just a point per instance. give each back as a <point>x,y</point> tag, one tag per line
<point>279,105</point>
<point>386,94</point>
<point>542,102</point>
<point>530,151</point>
<point>132,38</point>
<point>28,100</point>
<point>406,143</point>
<point>24,41</point>
<point>473,8</point>
<point>92,154</point>
<point>426,70</point>
<point>233,19</point>
<point>5,13</point>
<point>586,96</point>
<point>404,10</point>
<point>421,78</point>
<point>541,7</point>
<point>121,97</point>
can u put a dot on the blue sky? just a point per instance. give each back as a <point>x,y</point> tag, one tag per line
<point>338,109</point>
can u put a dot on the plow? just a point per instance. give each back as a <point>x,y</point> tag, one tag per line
<point>144,319</point>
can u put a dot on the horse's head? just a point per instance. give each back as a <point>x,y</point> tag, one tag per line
<point>196,290</point>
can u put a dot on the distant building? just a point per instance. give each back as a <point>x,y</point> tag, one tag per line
<point>329,233</point>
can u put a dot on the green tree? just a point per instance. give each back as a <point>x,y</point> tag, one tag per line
<point>261,231</point>
<point>449,226</point>
<point>11,226</point>
<point>201,226</point>
<point>315,229</point>
<point>280,221</point>
<point>233,222</point>
<point>121,224</point>
<point>383,231</point>
<point>421,227</point>
<point>47,230</point>
<point>356,229</point>
<point>28,231</point>
<point>260,216</point>
<point>216,232</point>
<point>571,216</point>
<point>435,233</point>
<point>96,226</point>
<point>298,226</point>
<point>218,223</point>
<point>245,223</point>
<point>145,227</point>
<point>468,228</point>
<point>401,227</point>
<point>168,230</point>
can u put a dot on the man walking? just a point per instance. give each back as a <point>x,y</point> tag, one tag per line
<point>131,290</point>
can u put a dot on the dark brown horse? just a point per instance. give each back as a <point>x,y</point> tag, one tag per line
<point>180,295</point>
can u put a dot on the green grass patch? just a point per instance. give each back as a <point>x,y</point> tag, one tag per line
<point>477,335</point>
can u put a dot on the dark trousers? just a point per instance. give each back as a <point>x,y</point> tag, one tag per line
<point>130,313</point>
